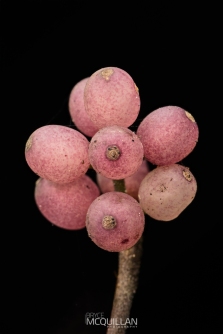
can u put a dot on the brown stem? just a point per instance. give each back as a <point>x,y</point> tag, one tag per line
<point>119,185</point>
<point>127,281</point>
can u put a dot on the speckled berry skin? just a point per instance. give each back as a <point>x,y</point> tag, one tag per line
<point>78,112</point>
<point>168,135</point>
<point>66,205</point>
<point>131,152</point>
<point>132,182</point>
<point>57,153</point>
<point>111,98</point>
<point>129,217</point>
<point>166,191</point>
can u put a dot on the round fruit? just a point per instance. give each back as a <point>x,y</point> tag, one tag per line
<point>168,135</point>
<point>115,152</point>
<point>111,98</point>
<point>78,112</point>
<point>66,205</point>
<point>115,221</point>
<point>57,153</point>
<point>166,191</point>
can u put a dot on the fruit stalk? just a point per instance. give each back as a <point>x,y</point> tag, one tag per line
<point>127,281</point>
<point>119,185</point>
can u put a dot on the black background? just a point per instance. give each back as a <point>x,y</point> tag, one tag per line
<point>51,277</point>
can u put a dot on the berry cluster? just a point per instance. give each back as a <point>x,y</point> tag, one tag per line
<point>103,106</point>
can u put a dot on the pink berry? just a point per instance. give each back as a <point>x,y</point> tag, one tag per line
<point>78,112</point>
<point>115,221</point>
<point>115,152</point>
<point>57,153</point>
<point>66,205</point>
<point>168,135</point>
<point>166,191</point>
<point>111,98</point>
